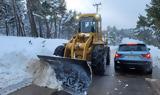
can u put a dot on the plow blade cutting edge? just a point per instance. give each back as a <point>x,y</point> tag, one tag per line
<point>75,75</point>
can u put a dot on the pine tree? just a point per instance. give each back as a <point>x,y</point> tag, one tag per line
<point>149,25</point>
<point>153,12</point>
<point>143,22</point>
<point>36,18</point>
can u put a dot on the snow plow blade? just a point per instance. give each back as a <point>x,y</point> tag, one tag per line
<point>75,75</point>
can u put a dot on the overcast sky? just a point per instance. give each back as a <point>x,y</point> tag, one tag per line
<point>119,13</point>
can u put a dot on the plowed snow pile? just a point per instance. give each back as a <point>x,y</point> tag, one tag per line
<point>18,60</point>
<point>155,51</point>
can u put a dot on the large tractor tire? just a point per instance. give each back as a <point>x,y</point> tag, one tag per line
<point>97,59</point>
<point>108,56</point>
<point>59,51</point>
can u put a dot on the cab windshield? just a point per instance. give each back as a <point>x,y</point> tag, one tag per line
<point>87,25</point>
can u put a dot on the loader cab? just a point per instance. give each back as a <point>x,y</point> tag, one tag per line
<point>88,23</point>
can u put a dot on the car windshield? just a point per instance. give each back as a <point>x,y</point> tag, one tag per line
<point>138,47</point>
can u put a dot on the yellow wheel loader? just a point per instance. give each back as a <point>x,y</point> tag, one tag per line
<point>86,53</point>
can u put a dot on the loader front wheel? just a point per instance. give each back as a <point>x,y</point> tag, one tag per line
<point>59,51</point>
<point>97,59</point>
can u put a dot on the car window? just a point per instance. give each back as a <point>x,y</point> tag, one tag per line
<point>138,47</point>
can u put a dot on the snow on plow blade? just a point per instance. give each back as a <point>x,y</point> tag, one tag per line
<point>75,75</point>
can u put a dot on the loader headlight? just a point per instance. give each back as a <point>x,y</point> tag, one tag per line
<point>97,16</point>
<point>77,17</point>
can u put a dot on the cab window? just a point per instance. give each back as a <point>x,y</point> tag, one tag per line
<point>87,25</point>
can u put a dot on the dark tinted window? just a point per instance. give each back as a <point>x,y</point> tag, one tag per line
<point>136,47</point>
<point>87,24</point>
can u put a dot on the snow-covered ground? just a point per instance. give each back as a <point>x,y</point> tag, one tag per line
<point>155,52</point>
<point>18,53</point>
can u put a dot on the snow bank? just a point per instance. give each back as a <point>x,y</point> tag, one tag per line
<point>17,52</point>
<point>155,52</point>
<point>28,46</point>
<point>113,47</point>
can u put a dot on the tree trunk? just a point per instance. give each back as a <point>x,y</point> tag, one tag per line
<point>23,30</point>
<point>34,32</point>
<point>40,27</point>
<point>19,26</point>
<point>15,15</point>
<point>7,28</point>
<point>51,26</point>
<point>48,30</point>
<point>59,30</point>
<point>13,30</point>
<point>55,26</point>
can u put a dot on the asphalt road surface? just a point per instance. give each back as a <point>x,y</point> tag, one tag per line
<point>130,83</point>
<point>127,82</point>
<point>124,83</point>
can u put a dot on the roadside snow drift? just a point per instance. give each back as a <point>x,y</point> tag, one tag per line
<point>155,52</point>
<point>18,60</point>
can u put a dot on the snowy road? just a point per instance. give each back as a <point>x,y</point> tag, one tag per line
<point>131,83</point>
<point>22,54</point>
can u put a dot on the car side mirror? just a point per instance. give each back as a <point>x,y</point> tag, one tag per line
<point>149,49</point>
